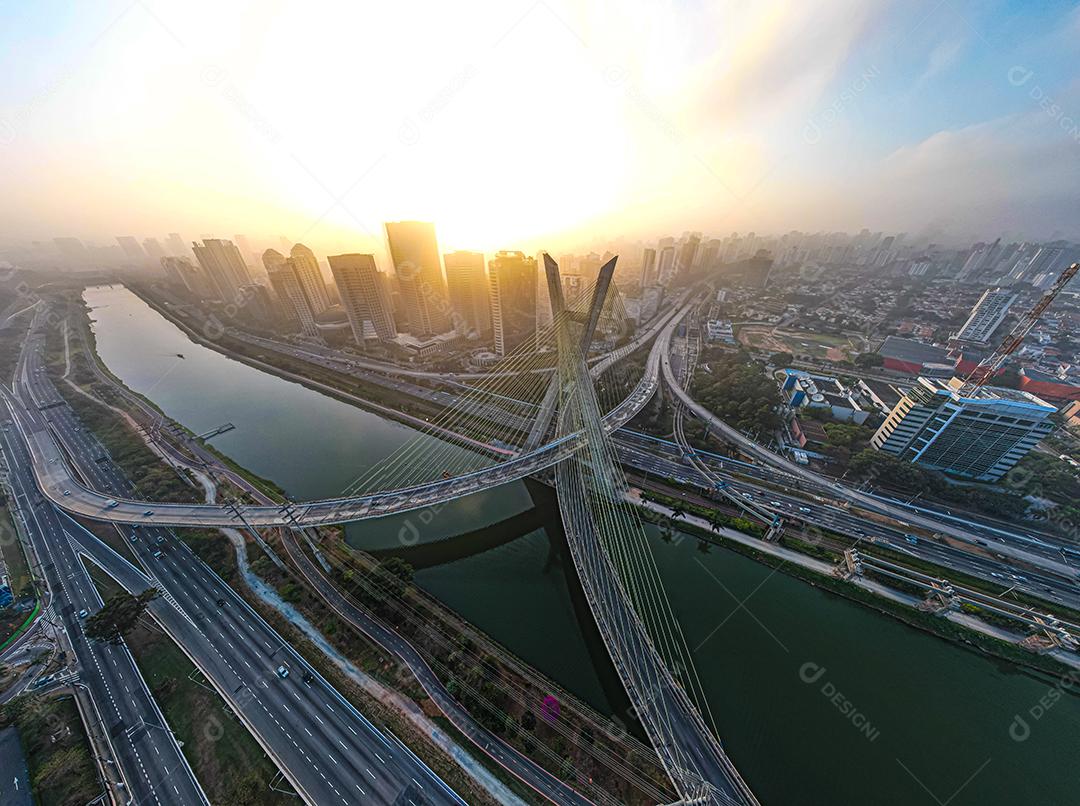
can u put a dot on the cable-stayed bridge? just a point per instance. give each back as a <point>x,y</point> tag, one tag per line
<point>516,424</point>
<point>479,443</point>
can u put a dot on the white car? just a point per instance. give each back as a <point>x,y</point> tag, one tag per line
<point>282,672</point>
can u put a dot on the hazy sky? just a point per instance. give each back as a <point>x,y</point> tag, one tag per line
<point>530,124</point>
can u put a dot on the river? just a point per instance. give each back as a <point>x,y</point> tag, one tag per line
<point>818,700</point>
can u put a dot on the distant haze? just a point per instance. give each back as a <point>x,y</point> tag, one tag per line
<point>528,125</point>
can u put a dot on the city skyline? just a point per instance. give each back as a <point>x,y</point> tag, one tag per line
<point>954,120</point>
<point>540,401</point>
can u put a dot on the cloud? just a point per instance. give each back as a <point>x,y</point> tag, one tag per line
<point>940,59</point>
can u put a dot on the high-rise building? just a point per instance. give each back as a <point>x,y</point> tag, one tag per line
<point>292,297</point>
<point>246,251</point>
<point>272,259</point>
<point>307,270</point>
<point>153,248</point>
<point>1044,260</point>
<point>988,313</point>
<point>180,272</point>
<point>979,436</point>
<point>545,316</point>
<point>415,254</point>
<point>132,250</point>
<point>258,305</point>
<point>175,245</point>
<point>364,297</point>
<point>666,266</point>
<point>224,266</point>
<point>648,268</point>
<point>467,290</point>
<point>512,280</point>
<point>687,253</point>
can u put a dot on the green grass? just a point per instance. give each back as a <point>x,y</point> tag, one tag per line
<point>226,759</point>
<point>14,558</point>
<point>57,751</point>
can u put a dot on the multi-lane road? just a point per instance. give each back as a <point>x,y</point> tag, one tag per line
<point>664,460</point>
<point>324,746</point>
<point>152,766</point>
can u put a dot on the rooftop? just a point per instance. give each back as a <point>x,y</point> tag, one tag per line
<point>912,350</point>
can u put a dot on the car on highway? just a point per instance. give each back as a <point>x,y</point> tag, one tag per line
<point>282,672</point>
<point>112,503</point>
<point>84,613</point>
<point>148,513</point>
<point>160,539</point>
<point>157,553</point>
<point>804,510</point>
<point>912,539</point>
<point>67,492</point>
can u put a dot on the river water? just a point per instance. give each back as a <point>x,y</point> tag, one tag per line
<point>818,700</point>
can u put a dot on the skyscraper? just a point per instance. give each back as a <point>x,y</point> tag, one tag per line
<point>307,271</point>
<point>648,268</point>
<point>415,254</point>
<point>544,315</point>
<point>687,253</point>
<point>223,265</point>
<point>153,248</point>
<point>180,272</point>
<point>988,313</point>
<point>1044,260</point>
<point>364,296</point>
<point>666,267</point>
<point>245,249</point>
<point>291,296</point>
<point>131,248</point>
<point>175,245</point>
<point>512,280</point>
<point>467,290</point>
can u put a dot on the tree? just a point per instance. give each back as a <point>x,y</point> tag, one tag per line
<point>119,616</point>
<point>781,359</point>
<point>867,360</point>
<point>394,575</point>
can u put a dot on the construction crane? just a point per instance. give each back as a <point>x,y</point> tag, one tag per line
<point>990,365</point>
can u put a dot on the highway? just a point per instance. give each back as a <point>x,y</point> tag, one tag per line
<point>789,472</point>
<point>151,763</point>
<point>324,746</point>
<point>664,460</point>
<point>123,506</point>
<point>530,773</point>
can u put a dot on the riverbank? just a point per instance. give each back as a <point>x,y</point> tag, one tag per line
<point>324,628</point>
<point>940,711</point>
<point>962,629</point>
